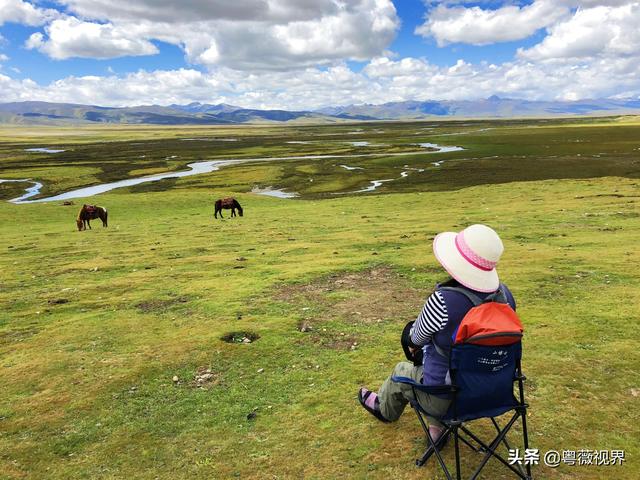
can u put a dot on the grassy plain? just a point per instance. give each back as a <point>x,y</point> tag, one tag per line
<point>94,325</point>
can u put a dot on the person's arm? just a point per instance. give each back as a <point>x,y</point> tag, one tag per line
<point>431,320</point>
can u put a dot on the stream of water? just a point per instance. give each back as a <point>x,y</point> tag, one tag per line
<point>198,168</point>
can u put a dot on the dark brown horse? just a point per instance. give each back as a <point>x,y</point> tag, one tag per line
<point>88,213</point>
<point>227,203</point>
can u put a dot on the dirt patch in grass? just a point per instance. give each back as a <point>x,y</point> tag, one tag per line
<point>160,305</point>
<point>371,296</point>
<point>205,378</point>
<point>335,341</point>
<point>58,301</point>
<point>240,337</point>
<point>18,334</point>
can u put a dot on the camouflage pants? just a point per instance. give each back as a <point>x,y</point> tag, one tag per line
<point>394,396</point>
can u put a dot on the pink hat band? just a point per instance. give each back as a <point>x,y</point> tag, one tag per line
<point>472,257</point>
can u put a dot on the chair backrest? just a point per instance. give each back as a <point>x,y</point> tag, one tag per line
<point>484,378</point>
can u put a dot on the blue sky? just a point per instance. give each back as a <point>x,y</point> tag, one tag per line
<point>302,53</point>
<point>33,64</point>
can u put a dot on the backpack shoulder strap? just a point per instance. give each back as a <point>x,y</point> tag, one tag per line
<point>473,298</point>
<point>498,296</point>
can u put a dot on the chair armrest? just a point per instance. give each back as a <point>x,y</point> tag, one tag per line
<point>430,389</point>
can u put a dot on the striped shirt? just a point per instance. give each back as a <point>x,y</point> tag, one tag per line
<point>431,320</point>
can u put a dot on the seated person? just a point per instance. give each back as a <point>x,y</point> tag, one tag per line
<point>470,258</point>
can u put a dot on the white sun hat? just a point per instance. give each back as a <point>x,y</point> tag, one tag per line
<point>471,256</point>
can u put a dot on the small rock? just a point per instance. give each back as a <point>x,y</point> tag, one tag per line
<point>175,379</point>
<point>635,392</point>
<point>260,370</point>
<point>252,416</point>
<point>241,259</point>
<point>246,340</point>
<point>305,327</point>
<point>374,253</point>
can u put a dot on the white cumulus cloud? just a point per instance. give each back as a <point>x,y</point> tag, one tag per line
<point>479,26</point>
<point>242,34</point>
<point>382,80</point>
<point>26,13</point>
<point>170,11</point>
<point>70,37</point>
<point>592,32</point>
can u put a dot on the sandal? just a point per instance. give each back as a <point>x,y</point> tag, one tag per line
<point>369,400</point>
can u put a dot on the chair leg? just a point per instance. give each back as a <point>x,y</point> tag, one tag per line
<point>490,449</point>
<point>469,444</point>
<point>506,443</point>
<point>457,450</point>
<point>433,447</point>
<point>525,438</point>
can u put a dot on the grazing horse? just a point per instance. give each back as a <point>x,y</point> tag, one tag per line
<point>228,203</point>
<point>88,213</point>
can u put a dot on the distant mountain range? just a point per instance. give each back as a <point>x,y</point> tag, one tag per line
<point>44,113</point>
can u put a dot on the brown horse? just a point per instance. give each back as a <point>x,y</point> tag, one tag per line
<point>227,203</point>
<point>88,213</point>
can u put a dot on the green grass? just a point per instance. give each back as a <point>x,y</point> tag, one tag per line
<point>94,325</point>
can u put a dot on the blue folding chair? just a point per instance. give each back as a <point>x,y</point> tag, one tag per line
<point>482,386</point>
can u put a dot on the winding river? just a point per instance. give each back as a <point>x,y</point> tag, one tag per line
<point>198,168</point>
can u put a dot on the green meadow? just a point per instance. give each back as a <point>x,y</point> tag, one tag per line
<point>174,345</point>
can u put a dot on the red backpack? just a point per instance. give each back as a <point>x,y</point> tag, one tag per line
<point>491,321</point>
